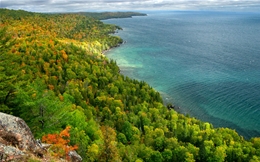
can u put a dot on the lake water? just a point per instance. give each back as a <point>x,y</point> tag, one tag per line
<point>207,63</point>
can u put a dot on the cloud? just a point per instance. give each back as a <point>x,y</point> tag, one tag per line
<point>105,5</point>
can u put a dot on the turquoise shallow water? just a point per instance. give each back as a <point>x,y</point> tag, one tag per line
<point>207,63</point>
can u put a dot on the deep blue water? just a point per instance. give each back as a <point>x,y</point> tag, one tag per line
<point>207,63</point>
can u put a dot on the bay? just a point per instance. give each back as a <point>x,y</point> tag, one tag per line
<point>206,63</point>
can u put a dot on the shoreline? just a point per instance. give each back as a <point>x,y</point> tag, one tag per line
<point>201,115</point>
<point>167,99</point>
<point>105,51</point>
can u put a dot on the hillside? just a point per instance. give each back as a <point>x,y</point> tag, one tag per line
<point>109,15</point>
<point>54,76</point>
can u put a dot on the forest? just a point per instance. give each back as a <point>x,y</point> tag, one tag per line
<point>54,76</point>
<point>109,15</point>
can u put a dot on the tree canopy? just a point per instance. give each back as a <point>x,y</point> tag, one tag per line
<point>53,75</point>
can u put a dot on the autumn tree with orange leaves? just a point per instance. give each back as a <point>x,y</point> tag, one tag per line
<point>60,143</point>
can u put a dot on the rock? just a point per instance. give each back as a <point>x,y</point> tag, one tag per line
<point>74,156</point>
<point>17,141</point>
<point>8,153</point>
<point>46,146</point>
<point>15,133</point>
<point>170,106</point>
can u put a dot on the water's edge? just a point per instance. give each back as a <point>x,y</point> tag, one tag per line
<point>143,58</point>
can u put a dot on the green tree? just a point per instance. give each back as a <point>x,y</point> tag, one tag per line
<point>127,130</point>
<point>156,157</point>
<point>167,155</point>
<point>8,74</point>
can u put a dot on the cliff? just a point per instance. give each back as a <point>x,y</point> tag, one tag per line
<point>17,142</point>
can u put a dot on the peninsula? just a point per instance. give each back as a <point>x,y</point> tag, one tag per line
<point>110,15</point>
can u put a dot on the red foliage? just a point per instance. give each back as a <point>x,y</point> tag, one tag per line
<point>60,143</point>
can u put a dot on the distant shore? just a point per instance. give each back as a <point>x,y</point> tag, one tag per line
<point>105,51</point>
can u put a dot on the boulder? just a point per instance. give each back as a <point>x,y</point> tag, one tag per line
<point>8,153</point>
<point>17,140</point>
<point>14,132</point>
<point>74,156</point>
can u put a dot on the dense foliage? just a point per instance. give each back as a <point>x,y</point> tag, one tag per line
<point>60,143</point>
<point>109,15</point>
<point>53,75</point>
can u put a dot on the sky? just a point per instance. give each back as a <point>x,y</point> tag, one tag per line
<point>129,5</point>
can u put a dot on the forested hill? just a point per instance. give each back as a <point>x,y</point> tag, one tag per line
<point>110,15</point>
<point>52,75</point>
